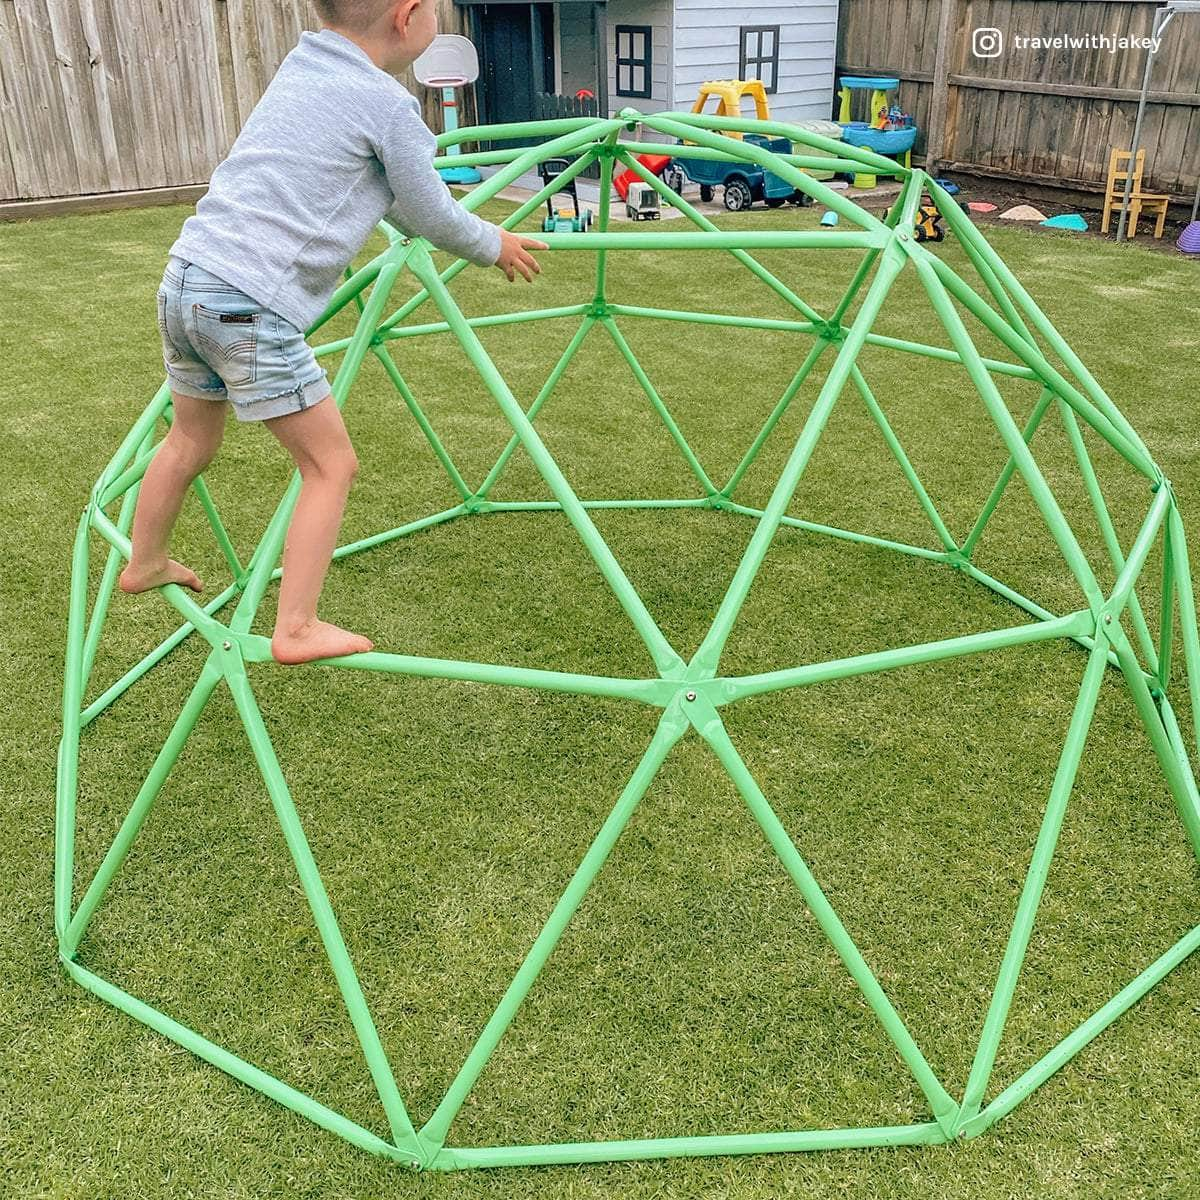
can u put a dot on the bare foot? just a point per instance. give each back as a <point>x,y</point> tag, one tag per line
<point>136,578</point>
<point>317,639</point>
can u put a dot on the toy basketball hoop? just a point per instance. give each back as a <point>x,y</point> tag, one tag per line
<point>450,62</point>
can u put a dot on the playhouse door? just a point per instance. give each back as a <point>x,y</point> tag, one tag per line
<point>516,49</point>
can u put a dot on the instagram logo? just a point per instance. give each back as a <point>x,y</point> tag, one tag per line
<point>987,43</point>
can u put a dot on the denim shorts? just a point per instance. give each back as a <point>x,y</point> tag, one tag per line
<point>219,344</point>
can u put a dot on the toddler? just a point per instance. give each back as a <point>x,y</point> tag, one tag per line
<point>334,145</point>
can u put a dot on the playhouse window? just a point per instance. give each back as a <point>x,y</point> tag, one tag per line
<point>759,57</point>
<point>633,60</point>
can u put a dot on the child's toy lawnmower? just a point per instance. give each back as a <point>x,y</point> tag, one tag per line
<point>560,218</point>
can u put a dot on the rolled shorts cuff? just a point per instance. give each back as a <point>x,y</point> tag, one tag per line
<point>296,399</point>
<point>263,408</point>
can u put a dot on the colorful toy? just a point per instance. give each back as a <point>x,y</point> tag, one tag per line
<point>450,62</point>
<point>1067,221</point>
<point>830,218</point>
<point>729,94</point>
<point>1022,212</point>
<point>559,217</point>
<point>642,202</point>
<point>981,206</point>
<point>928,225</point>
<point>1189,239</point>
<point>654,163</point>
<point>744,182</point>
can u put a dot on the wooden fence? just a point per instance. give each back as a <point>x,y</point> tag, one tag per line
<point>1039,115</point>
<point>112,96</point>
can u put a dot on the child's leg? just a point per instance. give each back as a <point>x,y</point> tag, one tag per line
<point>317,439</point>
<point>193,439</point>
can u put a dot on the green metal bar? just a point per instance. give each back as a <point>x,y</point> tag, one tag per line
<point>708,655</point>
<point>727,690</point>
<point>709,488</point>
<point>1047,505</point>
<point>1053,337</point>
<point>989,507</point>
<point>67,775</point>
<point>172,592</point>
<point>148,793</point>
<point>553,127</point>
<point>975,247</point>
<point>893,444</point>
<point>107,584</point>
<point>152,659</point>
<point>1180,781</point>
<point>710,727</point>
<point>142,427</point>
<point>702,122</point>
<point>1030,606</point>
<point>1166,628</point>
<point>1189,633</point>
<point>1033,357</point>
<point>231,1064</point>
<point>554,506</point>
<point>418,415</point>
<point>996,366</point>
<point>645,1148</point>
<point>671,728</point>
<point>1104,521</point>
<point>781,406</point>
<point>1122,593</point>
<point>544,392</point>
<point>804,162</point>
<point>510,222</point>
<point>517,318</point>
<point>910,196</point>
<point>771,239</point>
<point>1189,811</point>
<point>763,158</point>
<point>348,291</point>
<point>602,217</point>
<point>560,147</point>
<point>310,879</point>
<point>664,656</point>
<point>702,222</point>
<point>699,318</point>
<point>655,692</point>
<point>390,535</point>
<point>1035,881</point>
<point>128,477</point>
<point>1075,1041</point>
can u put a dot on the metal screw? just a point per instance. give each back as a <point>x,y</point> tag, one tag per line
<point>226,646</point>
<point>690,696</point>
<point>416,1166</point>
<point>904,237</point>
<point>1108,618</point>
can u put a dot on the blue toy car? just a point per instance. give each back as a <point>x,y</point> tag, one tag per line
<point>744,182</point>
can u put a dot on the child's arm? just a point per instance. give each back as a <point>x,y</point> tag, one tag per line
<point>425,208</point>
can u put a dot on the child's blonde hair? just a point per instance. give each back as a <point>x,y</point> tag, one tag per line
<point>355,15</point>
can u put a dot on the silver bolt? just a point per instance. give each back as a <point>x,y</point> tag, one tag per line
<point>904,237</point>
<point>1108,618</point>
<point>690,696</point>
<point>226,645</point>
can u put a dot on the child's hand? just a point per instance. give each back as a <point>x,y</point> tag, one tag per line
<point>515,256</point>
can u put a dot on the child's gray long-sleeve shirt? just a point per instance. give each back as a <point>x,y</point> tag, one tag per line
<point>334,145</point>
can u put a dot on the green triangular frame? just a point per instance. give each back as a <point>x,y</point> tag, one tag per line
<point>689,694</point>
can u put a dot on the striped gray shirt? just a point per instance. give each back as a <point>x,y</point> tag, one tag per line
<point>334,145</point>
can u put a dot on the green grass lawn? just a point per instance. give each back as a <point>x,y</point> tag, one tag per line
<point>693,993</point>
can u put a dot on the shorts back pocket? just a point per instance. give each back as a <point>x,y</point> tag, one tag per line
<point>228,342</point>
